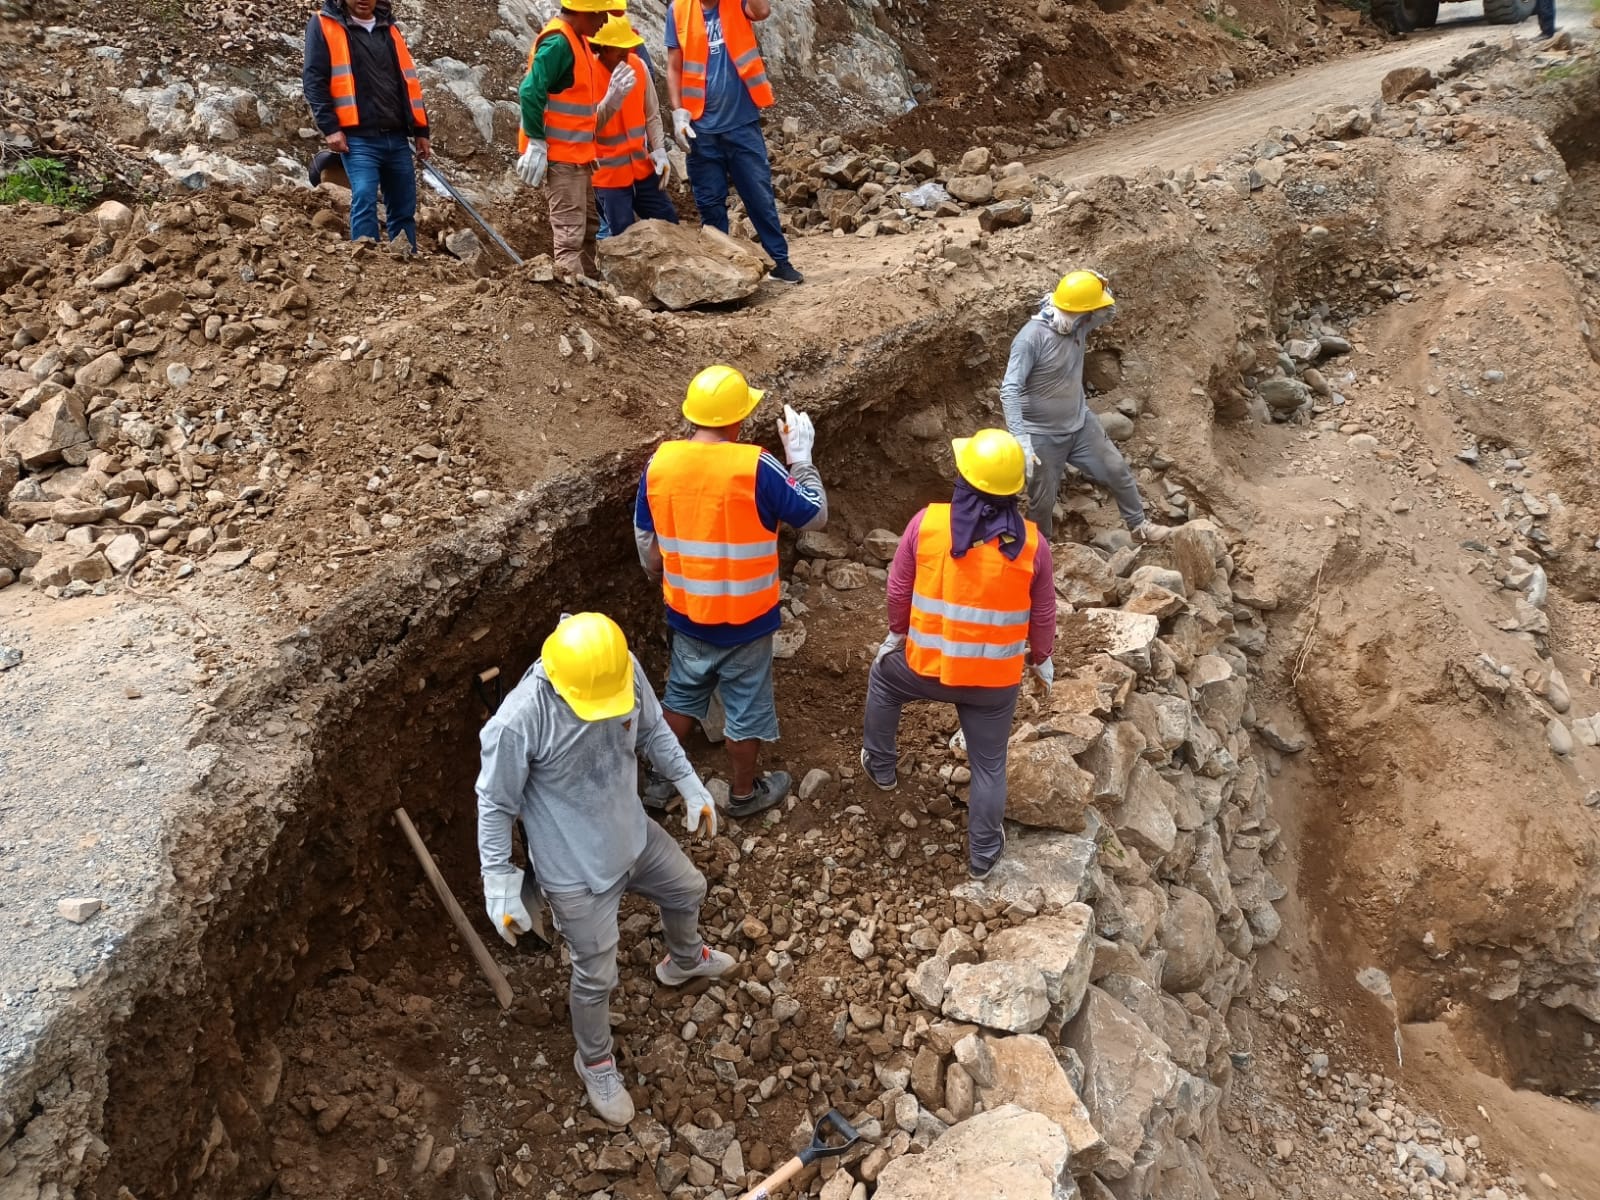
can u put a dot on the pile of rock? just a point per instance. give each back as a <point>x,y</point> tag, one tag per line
<point>1127,908</point>
<point>1287,377</point>
<point>826,186</point>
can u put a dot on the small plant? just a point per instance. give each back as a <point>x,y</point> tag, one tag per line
<point>1231,27</point>
<point>44,181</point>
<point>1573,70</point>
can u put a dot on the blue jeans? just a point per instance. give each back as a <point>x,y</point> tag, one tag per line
<point>743,675</point>
<point>382,160</point>
<point>644,201</point>
<point>737,156</point>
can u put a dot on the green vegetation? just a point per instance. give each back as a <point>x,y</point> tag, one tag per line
<point>1572,70</point>
<point>44,181</point>
<point>1231,27</point>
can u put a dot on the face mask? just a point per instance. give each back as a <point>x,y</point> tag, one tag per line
<point>1062,322</point>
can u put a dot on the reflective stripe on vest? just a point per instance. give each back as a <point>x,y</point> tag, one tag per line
<point>569,115</point>
<point>342,77</point>
<point>719,562</point>
<point>739,36</point>
<point>969,615</point>
<point>623,155</point>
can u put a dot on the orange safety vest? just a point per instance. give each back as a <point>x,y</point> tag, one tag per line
<point>740,37</point>
<point>969,615</point>
<point>720,563</point>
<point>342,84</point>
<point>569,116</point>
<point>623,156</point>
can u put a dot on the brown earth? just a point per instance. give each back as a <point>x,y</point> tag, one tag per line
<point>1433,834</point>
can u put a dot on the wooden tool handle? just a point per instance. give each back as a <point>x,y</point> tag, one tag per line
<point>486,964</point>
<point>769,1185</point>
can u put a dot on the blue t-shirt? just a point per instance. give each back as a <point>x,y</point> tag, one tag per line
<point>780,499</point>
<point>728,103</point>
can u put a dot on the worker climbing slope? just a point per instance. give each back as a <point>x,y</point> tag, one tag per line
<point>1046,410</point>
<point>972,605</point>
<point>560,756</point>
<point>706,522</point>
<point>566,97</point>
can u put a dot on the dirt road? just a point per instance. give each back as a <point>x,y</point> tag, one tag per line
<point>1220,127</point>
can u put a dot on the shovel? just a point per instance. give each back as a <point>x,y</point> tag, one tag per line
<point>824,1144</point>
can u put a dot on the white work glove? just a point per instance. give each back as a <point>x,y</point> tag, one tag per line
<point>683,127</point>
<point>891,645</point>
<point>697,803</point>
<point>1028,458</point>
<point>622,82</point>
<point>799,435</point>
<point>662,164</point>
<point>502,895</point>
<point>1045,670</point>
<point>535,161</point>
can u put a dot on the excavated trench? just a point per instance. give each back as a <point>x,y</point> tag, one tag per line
<point>316,968</point>
<point>316,885</point>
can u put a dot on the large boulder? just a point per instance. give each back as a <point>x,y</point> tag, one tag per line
<point>16,551</point>
<point>1189,936</point>
<point>1045,787</point>
<point>1007,996</point>
<point>1128,1075</point>
<point>1061,945</point>
<point>1124,636</point>
<point>1055,864</point>
<point>1144,818</point>
<point>681,266</point>
<point>1006,1153</point>
<point>1027,1073</point>
<point>55,432</point>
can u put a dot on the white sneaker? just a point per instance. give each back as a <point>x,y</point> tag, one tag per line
<point>607,1095</point>
<point>712,965</point>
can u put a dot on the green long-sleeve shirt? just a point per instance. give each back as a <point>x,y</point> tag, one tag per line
<point>552,71</point>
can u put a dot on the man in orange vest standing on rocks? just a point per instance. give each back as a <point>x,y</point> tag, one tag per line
<point>718,85</point>
<point>706,523</point>
<point>366,99</point>
<point>631,161</point>
<point>972,607</point>
<point>566,98</point>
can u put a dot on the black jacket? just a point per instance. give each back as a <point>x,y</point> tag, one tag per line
<point>381,96</point>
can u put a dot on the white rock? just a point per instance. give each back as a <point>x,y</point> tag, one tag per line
<point>1007,1153</point>
<point>78,909</point>
<point>997,995</point>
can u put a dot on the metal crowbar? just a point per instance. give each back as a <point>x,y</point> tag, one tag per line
<point>467,208</point>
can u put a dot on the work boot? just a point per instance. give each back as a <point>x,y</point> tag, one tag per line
<point>1150,533</point>
<point>888,787</point>
<point>769,790</point>
<point>713,964</point>
<point>607,1096</point>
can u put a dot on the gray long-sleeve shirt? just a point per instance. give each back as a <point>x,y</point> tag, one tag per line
<point>1043,388</point>
<point>573,783</point>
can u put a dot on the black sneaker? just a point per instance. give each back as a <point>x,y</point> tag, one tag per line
<point>769,790</point>
<point>785,273</point>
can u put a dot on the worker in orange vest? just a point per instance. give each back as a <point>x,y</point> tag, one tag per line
<point>706,523</point>
<point>361,84</point>
<point>566,98</point>
<point>717,82</point>
<point>972,607</point>
<point>632,147</point>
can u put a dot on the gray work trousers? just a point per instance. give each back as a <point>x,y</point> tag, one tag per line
<point>985,714</point>
<point>588,922</point>
<point>1095,457</point>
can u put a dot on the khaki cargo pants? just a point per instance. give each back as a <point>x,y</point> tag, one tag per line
<point>574,220</point>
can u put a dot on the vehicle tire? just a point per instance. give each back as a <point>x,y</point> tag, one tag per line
<point>1395,15</point>
<point>1507,12</point>
<point>1427,13</point>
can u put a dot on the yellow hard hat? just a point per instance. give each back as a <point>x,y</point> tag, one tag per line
<point>591,5</point>
<point>719,396</point>
<point>991,461</point>
<point>1081,292</point>
<point>618,34</point>
<point>587,660</point>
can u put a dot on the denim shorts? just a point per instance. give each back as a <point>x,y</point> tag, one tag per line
<point>743,675</point>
